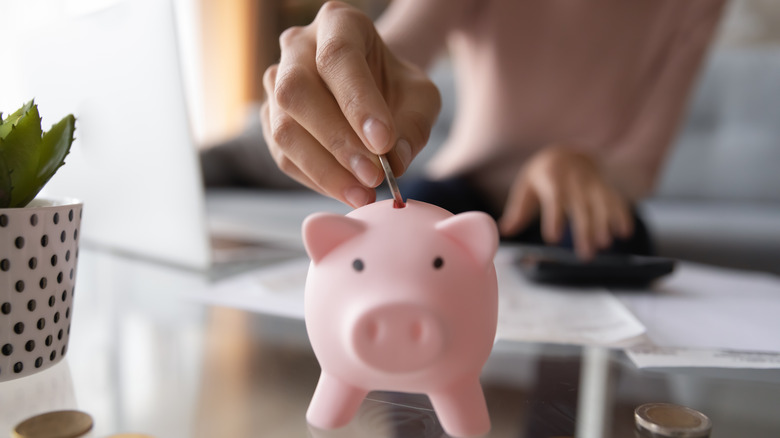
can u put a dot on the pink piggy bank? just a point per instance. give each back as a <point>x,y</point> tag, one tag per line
<point>401,299</point>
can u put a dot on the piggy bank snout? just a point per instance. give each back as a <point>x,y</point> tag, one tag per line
<point>397,337</point>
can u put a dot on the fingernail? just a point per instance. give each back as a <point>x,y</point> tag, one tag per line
<point>403,150</point>
<point>357,196</point>
<point>365,170</point>
<point>377,135</point>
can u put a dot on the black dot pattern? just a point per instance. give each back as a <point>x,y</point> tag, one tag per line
<point>358,265</point>
<point>438,262</point>
<point>37,277</point>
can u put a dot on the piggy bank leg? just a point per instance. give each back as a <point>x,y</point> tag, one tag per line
<point>334,403</point>
<point>461,409</point>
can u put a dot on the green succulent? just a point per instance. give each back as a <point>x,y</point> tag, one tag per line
<point>29,157</point>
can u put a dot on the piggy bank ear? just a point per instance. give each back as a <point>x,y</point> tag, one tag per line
<point>476,232</point>
<point>322,232</point>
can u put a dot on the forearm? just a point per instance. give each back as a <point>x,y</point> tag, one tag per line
<point>416,30</point>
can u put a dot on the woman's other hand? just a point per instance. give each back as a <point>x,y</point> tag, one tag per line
<point>562,185</point>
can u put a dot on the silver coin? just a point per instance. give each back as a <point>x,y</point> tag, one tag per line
<point>669,420</point>
<point>391,182</point>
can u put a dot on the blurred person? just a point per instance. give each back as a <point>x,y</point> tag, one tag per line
<point>565,108</point>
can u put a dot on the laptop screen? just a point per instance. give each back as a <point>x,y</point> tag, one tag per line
<point>134,163</point>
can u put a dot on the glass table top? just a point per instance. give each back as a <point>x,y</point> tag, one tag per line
<point>145,357</point>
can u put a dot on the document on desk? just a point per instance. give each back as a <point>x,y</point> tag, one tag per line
<point>527,312</point>
<point>273,289</point>
<point>530,312</point>
<point>712,317</point>
<point>650,356</point>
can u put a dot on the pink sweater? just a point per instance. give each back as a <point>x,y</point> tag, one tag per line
<point>608,76</point>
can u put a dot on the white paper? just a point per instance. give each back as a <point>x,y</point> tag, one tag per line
<point>527,312</point>
<point>709,308</point>
<point>531,312</point>
<point>274,289</point>
<point>671,357</point>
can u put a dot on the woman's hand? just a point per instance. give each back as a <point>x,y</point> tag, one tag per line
<point>559,184</point>
<point>339,97</point>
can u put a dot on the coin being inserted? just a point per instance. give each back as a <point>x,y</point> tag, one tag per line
<point>392,183</point>
<point>57,424</point>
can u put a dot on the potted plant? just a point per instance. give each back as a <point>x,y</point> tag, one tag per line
<point>38,244</point>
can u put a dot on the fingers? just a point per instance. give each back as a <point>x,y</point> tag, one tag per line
<point>566,186</point>
<point>553,214</point>
<point>300,93</point>
<point>598,216</point>
<point>338,98</point>
<point>601,210</point>
<point>582,223</point>
<point>351,59</point>
<point>621,220</point>
<point>522,207</point>
<point>301,156</point>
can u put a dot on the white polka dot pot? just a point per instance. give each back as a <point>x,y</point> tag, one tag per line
<point>38,256</point>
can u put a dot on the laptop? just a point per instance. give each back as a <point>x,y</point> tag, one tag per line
<point>134,162</point>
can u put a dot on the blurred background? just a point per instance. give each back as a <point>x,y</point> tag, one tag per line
<point>718,198</point>
<point>717,201</point>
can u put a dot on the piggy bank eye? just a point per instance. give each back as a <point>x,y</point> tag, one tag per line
<point>438,262</point>
<point>358,265</point>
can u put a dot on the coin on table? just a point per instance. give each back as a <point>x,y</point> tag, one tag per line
<point>670,420</point>
<point>57,424</point>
